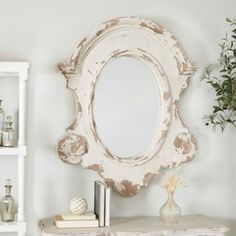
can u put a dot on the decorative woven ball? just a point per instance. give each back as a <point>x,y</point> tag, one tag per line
<point>78,205</point>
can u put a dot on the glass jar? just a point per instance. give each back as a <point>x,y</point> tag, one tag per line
<point>170,212</point>
<point>8,208</point>
<point>1,122</point>
<point>8,134</point>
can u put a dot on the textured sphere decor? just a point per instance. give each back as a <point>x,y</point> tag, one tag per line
<point>78,206</point>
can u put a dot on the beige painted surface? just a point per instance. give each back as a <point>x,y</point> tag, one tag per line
<point>144,226</point>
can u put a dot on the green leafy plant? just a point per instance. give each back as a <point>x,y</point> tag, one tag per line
<point>222,79</point>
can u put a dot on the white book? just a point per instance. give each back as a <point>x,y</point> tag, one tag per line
<point>107,206</point>
<point>70,216</point>
<point>60,223</point>
<point>99,202</point>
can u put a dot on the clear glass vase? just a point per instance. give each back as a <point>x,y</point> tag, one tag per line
<point>8,208</point>
<point>1,122</point>
<point>170,212</point>
<point>8,134</point>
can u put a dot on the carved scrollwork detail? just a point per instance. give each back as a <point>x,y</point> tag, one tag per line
<point>71,147</point>
<point>183,143</point>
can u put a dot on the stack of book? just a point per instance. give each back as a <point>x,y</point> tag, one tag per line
<point>102,203</point>
<point>99,218</point>
<point>69,220</point>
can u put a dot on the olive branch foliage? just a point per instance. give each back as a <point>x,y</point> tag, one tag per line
<point>224,82</point>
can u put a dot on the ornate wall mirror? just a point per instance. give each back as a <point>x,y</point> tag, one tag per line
<point>127,77</point>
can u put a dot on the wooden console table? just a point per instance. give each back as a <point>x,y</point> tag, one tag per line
<point>143,226</point>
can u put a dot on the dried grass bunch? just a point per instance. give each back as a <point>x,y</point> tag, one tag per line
<point>172,181</point>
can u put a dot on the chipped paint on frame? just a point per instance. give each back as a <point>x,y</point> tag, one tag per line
<point>173,144</point>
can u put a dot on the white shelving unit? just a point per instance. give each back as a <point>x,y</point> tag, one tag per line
<point>19,70</point>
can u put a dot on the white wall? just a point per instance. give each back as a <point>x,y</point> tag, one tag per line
<point>45,33</point>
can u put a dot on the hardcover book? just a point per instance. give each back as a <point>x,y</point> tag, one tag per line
<point>107,206</point>
<point>70,216</point>
<point>61,223</point>
<point>102,203</point>
<point>99,202</point>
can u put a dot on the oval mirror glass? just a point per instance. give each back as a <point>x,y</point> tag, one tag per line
<point>127,107</point>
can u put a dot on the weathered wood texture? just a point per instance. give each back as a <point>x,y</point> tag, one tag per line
<point>173,144</point>
<point>143,226</point>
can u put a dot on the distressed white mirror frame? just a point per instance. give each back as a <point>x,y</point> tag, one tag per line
<point>173,143</point>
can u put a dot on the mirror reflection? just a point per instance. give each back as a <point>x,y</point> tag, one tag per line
<point>127,106</point>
